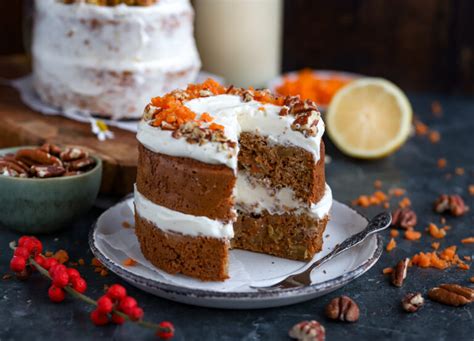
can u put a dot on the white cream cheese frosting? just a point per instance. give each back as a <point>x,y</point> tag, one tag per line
<point>174,221</point>
<point>236,116</point>
<point>251,196</point>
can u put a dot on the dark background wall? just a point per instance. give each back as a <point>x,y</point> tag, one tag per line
<point>422,45</point>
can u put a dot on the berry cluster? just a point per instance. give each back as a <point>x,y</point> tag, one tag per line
<point>115,306</point>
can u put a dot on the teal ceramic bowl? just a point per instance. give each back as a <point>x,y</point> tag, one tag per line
<point>46,205</point>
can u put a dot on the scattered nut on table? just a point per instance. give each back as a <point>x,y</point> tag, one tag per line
<point>412,302</point>
<point>308,331</point>
<point>342,308</point>
<point>452,294</point>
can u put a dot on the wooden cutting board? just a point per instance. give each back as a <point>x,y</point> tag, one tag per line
<point>20,125</point>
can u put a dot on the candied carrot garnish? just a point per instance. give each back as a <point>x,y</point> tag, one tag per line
<point>387,271</point>
<point>215,126</point>
<point>398,192</point>
<point>442,163</point>
<point>412,235</point>
<point>205,117</point>
<point>459,171</point>
<point>468,240</point>
<point>129,262</point>
<point>471,189</point>
<point>421,128</point>
<point>392,244</point>
<point>378,184</point>
<point>435,245</point>
<point>404,203</point>
<point>449,253</point>
<point>434,136</point>
<point>363,201</point>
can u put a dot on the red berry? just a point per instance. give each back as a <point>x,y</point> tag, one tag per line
<point>105,304</point>
<point>22,240</point>
<point>40,260</point>
<point>79,284</point>
<point>17,264</point>
<point>60,279</point>
<point>98,318</point>
<point>117,319</point>
<point>49,263</point>
<point>57,268</point>
<point>33,245</point>
<point>136,313</point>
<point>56,294</point>
<point>22,252</point>
<point>127,304</point>
<point>73,273</point>
<point>116,292</point>
<point>166,330</point>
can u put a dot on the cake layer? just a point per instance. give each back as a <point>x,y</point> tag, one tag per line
<point>281,166</point>
<point>97,35</point>
<point>201,257</point>
<point>186,185</point>
<point>292,236</point>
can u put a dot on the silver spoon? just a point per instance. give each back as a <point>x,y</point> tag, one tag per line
<point>378,223</point>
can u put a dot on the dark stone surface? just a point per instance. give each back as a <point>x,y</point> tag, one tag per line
<point>26,313</point>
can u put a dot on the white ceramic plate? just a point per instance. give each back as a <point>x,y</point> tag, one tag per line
<point>111,243</point>
<point>274,83</point>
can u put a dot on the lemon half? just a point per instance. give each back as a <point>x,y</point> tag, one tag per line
<point>369,118</point>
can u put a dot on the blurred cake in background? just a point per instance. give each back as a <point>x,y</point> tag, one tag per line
<point>108,57</point>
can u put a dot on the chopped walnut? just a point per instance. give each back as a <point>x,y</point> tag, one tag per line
<point>307,123</point>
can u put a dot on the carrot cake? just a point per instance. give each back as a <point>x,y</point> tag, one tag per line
<point>109,57</point>
<point>223,168</point>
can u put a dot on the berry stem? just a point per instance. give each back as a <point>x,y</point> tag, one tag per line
<point>87,299</point>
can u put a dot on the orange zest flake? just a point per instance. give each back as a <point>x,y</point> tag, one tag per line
<point>436,232</point>
<point>129,262</point>
<point>468,240</point>
<point>442,163</point>
<point>387,271</point>
<point>310,85</point>
<point>394,233</point>
<point>435,245</point>
<point>392,244</point>
<point>434,136</point>
<point>404,203</point>
<point>412,235</point>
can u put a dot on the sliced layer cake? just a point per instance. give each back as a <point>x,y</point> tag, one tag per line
<point>223,168</point>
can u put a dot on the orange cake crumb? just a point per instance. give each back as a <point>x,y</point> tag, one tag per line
<point>129,262</point>
<point>378,184</point>
<point>394,233</point>
<point>404,203</point>
<point>436,232</point>
<point>387,271</point>
<point>468,240</point>
<point>420,128</point>
<point>434,136</point>
<point>61,256</point>
<point>392,244</point>
<point>435,245</point>
<point>442,163</point>
<point>412,235</point>
<point>397,192</point>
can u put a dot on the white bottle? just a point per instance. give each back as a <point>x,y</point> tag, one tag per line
<point>240,40</point>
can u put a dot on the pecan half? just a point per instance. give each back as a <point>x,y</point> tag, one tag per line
<point>404,218</point>
<point>412,302</point>
<point>343,309</point>
<point>81,164</point>
<point>453,204</point>
<point>51,148</point>
<point>400,272</point>
<point>12,167</point>
<point>37,157</point>
<point>73,153</point>
<point>48,171</point>
<point>308,331</point>
<point>452,294</point>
